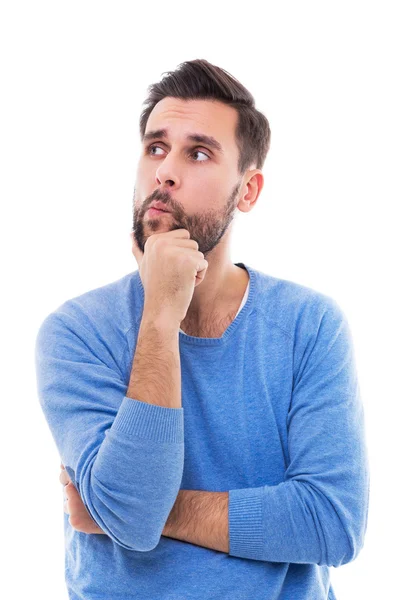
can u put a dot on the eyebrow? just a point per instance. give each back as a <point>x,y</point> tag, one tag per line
<point>199,138</point>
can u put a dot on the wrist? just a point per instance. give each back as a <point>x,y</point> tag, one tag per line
<point>162,321</point>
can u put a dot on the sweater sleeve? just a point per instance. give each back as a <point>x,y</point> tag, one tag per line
<point>124,456</point>
<point>318,514</point>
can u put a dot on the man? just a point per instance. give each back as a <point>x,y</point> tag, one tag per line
<point>208,415</point>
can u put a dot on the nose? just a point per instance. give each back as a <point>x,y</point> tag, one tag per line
<point>166,175</point>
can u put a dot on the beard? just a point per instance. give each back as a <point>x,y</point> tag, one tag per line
<point>206,228</point>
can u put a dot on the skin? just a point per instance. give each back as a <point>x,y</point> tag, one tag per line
<point>203,189</point>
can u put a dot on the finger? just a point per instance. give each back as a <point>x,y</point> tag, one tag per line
<point>185,243</point>
<point>77,510</point>
<point>66,502</point>
<point>74,499</point>
<point>201,273</point>
<point>64,478</point>
<point>79,517</point>
<point>73,504</point>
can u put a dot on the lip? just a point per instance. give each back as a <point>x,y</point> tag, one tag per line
<point>154,212</point>
<point>160,206</point>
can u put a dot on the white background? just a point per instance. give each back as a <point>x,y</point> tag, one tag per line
<point>74,76</point>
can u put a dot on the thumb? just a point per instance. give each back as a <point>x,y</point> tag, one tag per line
<point>136,251</point>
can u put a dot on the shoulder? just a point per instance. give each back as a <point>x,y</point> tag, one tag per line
<point>294,307</point>
<point>99,318</point>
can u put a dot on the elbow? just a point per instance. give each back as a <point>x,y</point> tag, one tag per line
<point>130,517</point>
<point>346,535</point>
<point>141,535</point>
<point>144,537</point>
<point>345,547</point>
<point>135,542</point>
<point>141,546</point>
<point>146,543</point>
<point>132,523</point>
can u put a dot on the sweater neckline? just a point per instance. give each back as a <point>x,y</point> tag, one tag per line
<point>191,340</point>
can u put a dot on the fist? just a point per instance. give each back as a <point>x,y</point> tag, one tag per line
<point>170,267</point>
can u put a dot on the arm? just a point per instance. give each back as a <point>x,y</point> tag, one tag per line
<point>156,369</point>
<point>123,451</point>
<point>318,513</point>
<point>200,518</point>
<point>197,517</point>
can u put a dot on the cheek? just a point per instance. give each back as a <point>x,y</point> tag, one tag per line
<point>211,192</point>
<point>206,181</point>
<point>145,176</point>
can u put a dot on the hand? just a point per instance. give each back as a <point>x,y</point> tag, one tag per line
<point>79,518</point>
<point>170,267</point>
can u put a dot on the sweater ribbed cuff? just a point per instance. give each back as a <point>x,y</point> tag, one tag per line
<point>246,523</point>
<point>149,421</point>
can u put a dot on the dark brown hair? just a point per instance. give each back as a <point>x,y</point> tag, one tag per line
<point>198,79</point>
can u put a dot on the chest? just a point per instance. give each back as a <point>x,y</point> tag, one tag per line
<point>213,326</point>
<point>235,402</point>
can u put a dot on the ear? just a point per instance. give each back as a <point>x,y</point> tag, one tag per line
<point>136,251</point>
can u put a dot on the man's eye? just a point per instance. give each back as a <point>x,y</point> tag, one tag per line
<point>154,146</point>
<point>150,148</point>
<point>200,152</point>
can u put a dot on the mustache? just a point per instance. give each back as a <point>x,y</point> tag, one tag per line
<point>161,196</point>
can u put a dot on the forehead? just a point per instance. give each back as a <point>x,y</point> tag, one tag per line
<point>183,117</point>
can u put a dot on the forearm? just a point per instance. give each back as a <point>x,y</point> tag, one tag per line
<point>200,518</point>
<point>156,369</point>
<point>153,459</point>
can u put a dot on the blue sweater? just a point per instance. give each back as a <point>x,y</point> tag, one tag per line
<point>271,413</point>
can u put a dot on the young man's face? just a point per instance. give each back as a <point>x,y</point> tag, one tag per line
<point>196,181</point>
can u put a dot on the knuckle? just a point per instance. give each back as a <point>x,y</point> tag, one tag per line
<point>186,259</point>
<point>194,244</point>
<point>148,242</point>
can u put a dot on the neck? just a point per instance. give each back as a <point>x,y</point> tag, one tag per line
<point>223,286</point>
